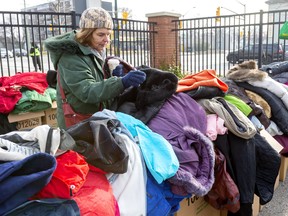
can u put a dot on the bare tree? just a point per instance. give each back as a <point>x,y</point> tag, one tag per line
<point>59,6</point>
<point>9,35</point>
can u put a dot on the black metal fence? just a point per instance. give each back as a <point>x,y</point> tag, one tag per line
<point>204,43</point>
<point>132,40</point>
<point>222,41</point>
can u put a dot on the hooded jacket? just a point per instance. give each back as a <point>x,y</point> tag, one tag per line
<point>183,122</point>
<point>85,85</point>
<point>278,109</point>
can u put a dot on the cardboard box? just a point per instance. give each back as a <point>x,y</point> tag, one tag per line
<point>27,120</point>
<point>50,117</point>
<point>283,168</point>
<point>223,213</point>
<point>196,206</point>
<point>256,205</point>
<point>273,142</point>
<point>277,182</point>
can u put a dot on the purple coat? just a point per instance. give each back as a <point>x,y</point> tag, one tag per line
<point>183,122</point>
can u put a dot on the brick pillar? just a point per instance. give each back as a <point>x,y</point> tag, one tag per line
<point>165,38</point>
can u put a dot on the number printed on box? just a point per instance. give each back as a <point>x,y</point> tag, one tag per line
<point>52,116</point>
<point>191,200</point>
<point>29,123</point>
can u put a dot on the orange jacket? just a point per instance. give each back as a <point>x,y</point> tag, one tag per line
<point>203,78</point>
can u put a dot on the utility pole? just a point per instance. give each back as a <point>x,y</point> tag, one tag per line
<point>116,33</point>
<point>27,33</point>
<point>244,5</point>
<point>116,9</point>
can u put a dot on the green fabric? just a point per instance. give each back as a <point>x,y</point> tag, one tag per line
<point>284,31</point>
<point>32,101</point>
<point>52,92</point>
<point>81,76</point>
<point>240,104</point>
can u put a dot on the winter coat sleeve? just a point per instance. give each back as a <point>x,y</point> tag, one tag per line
<point>86,82</point>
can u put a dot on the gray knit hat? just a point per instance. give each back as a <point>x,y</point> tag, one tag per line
<point>96,17</point>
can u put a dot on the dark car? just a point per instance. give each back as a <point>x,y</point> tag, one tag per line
<point>20,52</point>
<point>270,53</point>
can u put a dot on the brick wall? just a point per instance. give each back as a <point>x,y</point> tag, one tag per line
<point>165,39</point>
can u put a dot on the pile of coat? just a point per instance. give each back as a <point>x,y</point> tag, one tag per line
<point>164,141</point>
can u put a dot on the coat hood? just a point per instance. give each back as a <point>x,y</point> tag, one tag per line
<point>246,71</point>
<point>200,181</point>
<point>64,44</point>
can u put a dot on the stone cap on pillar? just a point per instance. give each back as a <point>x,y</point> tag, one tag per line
<point>163,13</point>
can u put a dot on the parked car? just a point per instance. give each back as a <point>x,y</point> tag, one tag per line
<point>5,53</point>
<point>20,52</point>
<point>270,53</point>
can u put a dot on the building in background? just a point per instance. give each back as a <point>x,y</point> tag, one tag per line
<point>277,5</point>
<point>68,6</point>
<point>58,20</point>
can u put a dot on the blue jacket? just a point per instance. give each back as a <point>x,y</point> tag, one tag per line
<point>20,180</point>
<point>160,199</point>
<point>51,207</point>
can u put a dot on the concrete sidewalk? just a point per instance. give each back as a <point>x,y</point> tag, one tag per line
<point>278,206</point>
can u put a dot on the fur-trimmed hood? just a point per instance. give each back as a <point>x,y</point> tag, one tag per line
<point>183,122</point>
<point>199,178</point>
<point>246,71</point>
<point>65,44</point>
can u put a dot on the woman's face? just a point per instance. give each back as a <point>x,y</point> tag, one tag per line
<point>100,39</point>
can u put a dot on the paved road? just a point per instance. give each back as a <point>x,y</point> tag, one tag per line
<point>21,64</point>
<point>190,63</point>
<point>278,206</point>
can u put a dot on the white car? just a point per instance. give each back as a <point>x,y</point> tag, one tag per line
<point>5,53</point>
<point>20,52</point>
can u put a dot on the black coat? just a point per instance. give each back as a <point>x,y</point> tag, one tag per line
<point>254,166</point>
<point>144,102</point>
<point>278,109</point>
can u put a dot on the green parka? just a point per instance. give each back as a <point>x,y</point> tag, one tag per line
<point>81,76</point>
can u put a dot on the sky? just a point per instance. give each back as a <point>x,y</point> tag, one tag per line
<point>186,8</point>
<point>193,8</point>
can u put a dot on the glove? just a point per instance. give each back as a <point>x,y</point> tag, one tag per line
<point>118,71</point>
<point>133,78</point>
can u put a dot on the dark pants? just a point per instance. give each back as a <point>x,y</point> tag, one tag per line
<point>36,61</point>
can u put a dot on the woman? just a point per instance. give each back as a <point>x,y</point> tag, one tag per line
<point>78,56</point>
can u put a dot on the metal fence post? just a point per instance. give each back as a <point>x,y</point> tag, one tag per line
<point>73,19</point>
<point>260,48</point>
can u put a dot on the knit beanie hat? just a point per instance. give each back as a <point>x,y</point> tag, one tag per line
<point>96,17</point>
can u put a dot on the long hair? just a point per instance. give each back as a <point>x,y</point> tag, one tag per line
<point>84,36</point>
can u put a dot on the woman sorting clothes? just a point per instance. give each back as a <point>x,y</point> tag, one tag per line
<point>78,56</point>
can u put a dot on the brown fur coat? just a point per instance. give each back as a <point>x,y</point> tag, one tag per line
<point>246,71</point>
